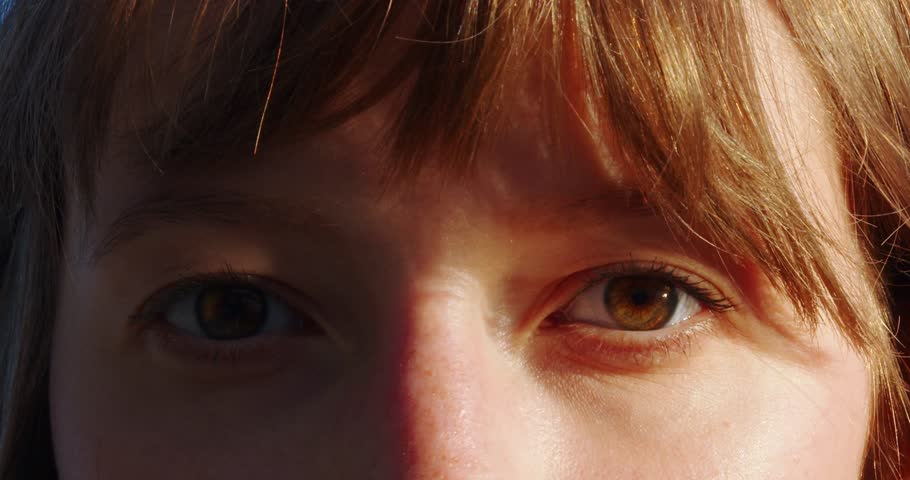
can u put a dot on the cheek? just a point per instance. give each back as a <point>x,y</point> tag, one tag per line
<point>83,389</point>
<point>730,414</point>
<point>814,419</point>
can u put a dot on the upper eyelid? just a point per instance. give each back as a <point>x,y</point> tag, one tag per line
<point>187,284</point>
<point>680,276</point>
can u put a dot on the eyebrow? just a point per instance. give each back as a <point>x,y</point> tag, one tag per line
<point>607,203</point>
<point>230,209</point>
<point>235,209</point>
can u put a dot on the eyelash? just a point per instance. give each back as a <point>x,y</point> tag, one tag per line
<point>186,285</point>
<point>602,348</point>
<point>699,288</point>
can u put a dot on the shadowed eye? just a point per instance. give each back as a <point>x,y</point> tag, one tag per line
<point>232,322</point>
<point>231,312</point>
<point>633,302</point>
<point>225,311</point>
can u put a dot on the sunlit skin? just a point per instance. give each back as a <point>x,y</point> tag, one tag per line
<point>442,348</point>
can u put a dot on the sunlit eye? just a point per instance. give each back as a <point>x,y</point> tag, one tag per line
<point>633,302</point>
<point>234,312</point>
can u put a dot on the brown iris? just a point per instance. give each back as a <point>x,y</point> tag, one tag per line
<point>230,312</point>
<point>639,302</point>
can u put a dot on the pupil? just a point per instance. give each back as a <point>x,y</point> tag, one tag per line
<point>641,298</point>
<point>228,313</point>
<point>639,302</point>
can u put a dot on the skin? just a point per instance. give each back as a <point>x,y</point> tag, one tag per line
<point>440,362</point>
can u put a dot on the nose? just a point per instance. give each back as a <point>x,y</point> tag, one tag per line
<point>452,405</point>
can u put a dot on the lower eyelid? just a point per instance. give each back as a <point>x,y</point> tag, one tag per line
<point>608,350</point>
<point>201,348</point>
<point>210,359</point>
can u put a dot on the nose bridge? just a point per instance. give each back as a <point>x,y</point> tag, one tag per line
<point>441,376</point>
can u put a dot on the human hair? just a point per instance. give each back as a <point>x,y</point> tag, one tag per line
<point>675,82</point>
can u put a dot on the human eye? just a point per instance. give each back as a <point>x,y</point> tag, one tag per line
<point>636,314</point>
<point>228,317</point>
